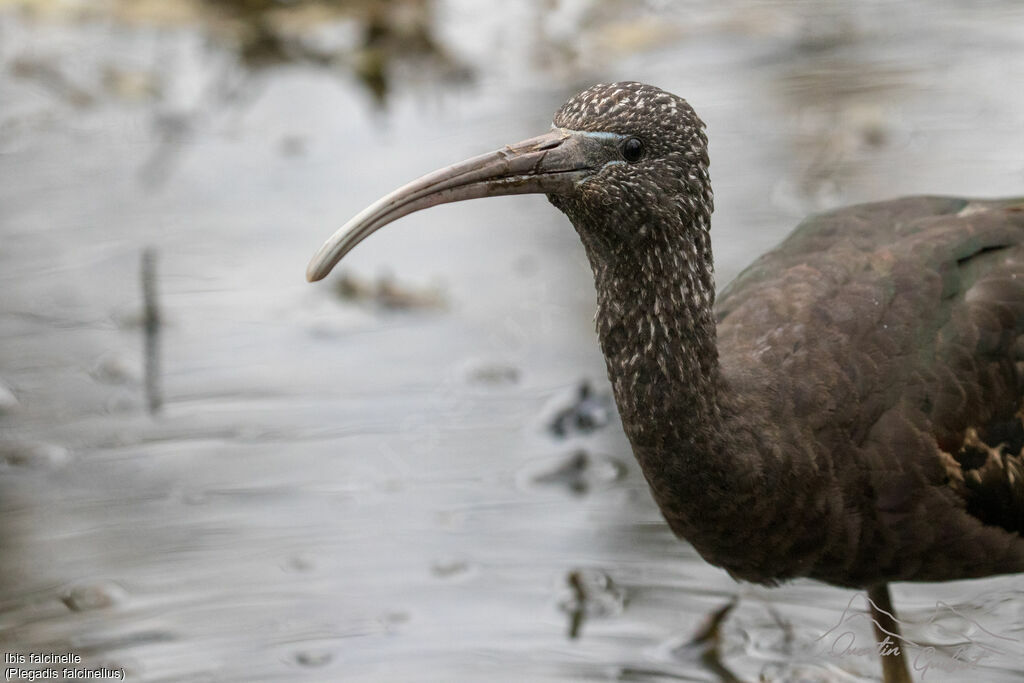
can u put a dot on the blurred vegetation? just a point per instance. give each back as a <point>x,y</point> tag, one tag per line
<point>383,45</point>
<point>371,39</point>
<point>838,93</point>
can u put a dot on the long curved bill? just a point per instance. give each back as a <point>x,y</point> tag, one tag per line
<point>552,163</point>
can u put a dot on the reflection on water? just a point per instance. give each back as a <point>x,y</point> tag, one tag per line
<point>210,470</point>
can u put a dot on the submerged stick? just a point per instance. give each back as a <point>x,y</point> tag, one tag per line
<point>151,330</point>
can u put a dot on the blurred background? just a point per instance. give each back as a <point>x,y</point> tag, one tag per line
<point>213,471</point>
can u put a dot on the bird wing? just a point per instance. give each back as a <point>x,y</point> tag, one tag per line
<point>889,338</point>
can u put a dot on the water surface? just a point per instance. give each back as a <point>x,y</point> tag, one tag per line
<point>359,480</point>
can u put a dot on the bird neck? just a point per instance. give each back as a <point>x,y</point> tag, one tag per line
<point>656,326</point>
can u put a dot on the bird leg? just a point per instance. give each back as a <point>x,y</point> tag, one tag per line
<point>887,635</point>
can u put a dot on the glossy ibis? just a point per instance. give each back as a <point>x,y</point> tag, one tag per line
<point>850,408</point>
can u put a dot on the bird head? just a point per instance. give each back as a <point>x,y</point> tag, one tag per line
<point>627,162</point>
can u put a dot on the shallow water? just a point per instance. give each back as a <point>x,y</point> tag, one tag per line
<point>363,482</point>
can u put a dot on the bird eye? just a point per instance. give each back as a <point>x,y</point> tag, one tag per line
<point>632,150</point>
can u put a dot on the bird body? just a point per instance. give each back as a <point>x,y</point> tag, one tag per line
<point>862,365</point>
<point>849,410</point>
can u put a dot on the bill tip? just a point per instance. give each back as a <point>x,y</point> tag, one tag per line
<point>313,274</point>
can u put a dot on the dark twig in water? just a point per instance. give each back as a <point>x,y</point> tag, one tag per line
<point>594,594</point>
<point>586,412</point>
<point>388,294</point>
<point>786,627</point>
<point>579,604</point>
<point>151,330</point>
<point>708,639</point>
<point>710,630</point>
<point>571,473</point>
